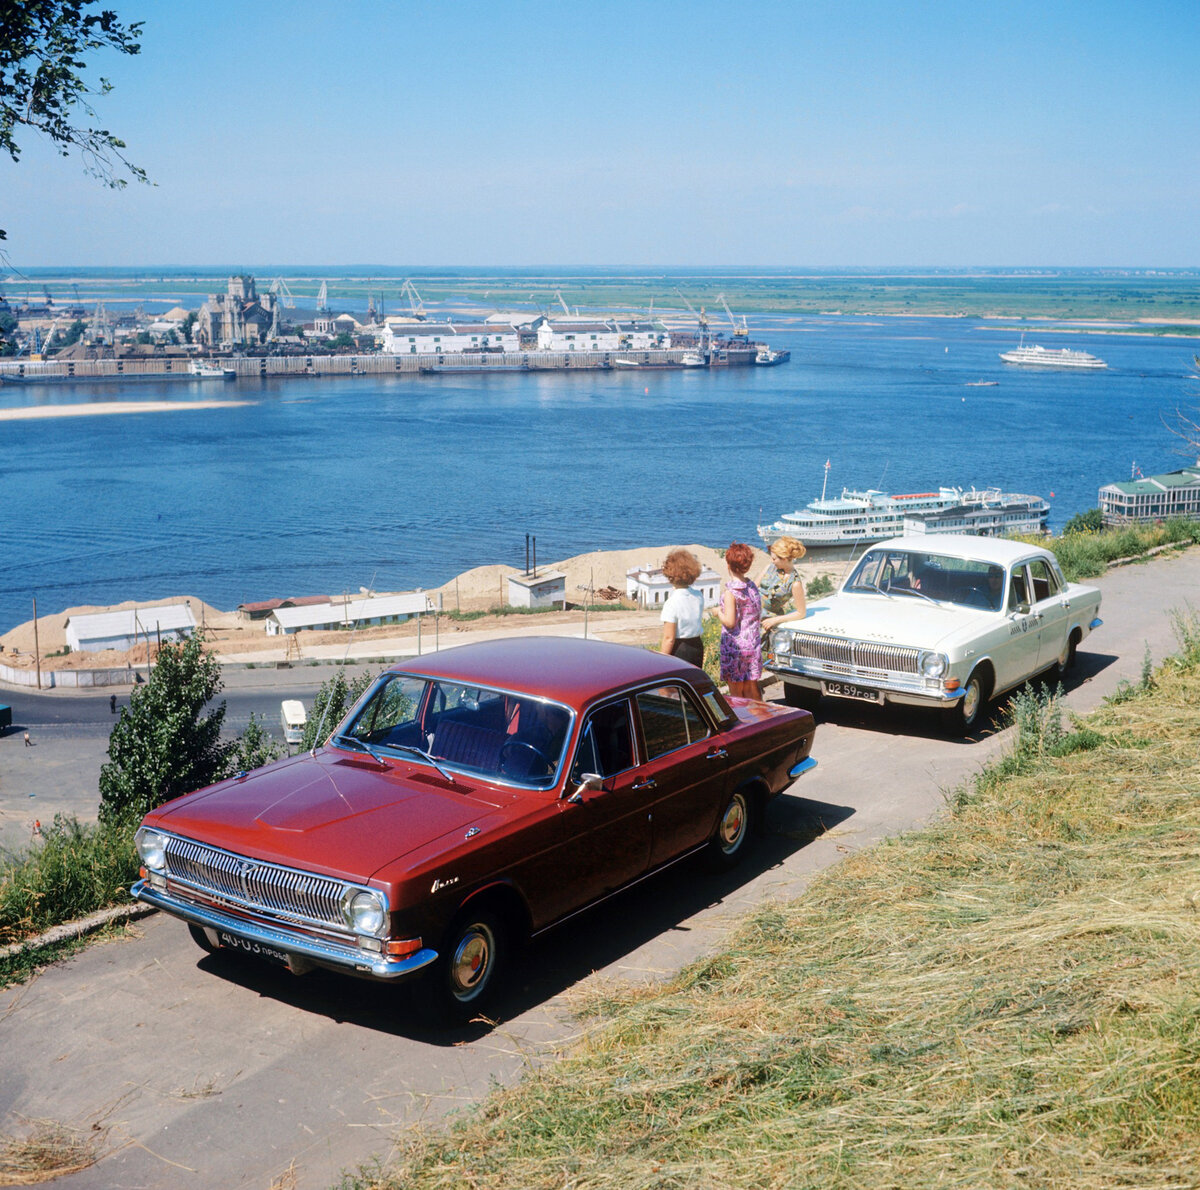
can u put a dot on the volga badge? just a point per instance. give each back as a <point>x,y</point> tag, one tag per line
<point>438,885</point>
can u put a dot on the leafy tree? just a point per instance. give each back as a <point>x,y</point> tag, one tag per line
<point>253,748</point>
<point>165,744</point>
<point>333,700</point>
<point>188,323</point>
<point>1091,521</point>
<point>43,44</point>
<point>8,328</point>
<point>74,332</point>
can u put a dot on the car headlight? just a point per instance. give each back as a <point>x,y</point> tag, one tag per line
<point>781,642</point>
<point>932,665</point>
<point>365,911</point>
<point>152,849</point>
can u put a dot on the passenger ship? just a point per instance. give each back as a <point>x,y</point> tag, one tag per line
<point>869,516</point>
<point>1051,357</point>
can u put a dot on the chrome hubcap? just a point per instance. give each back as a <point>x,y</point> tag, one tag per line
<point>471,965</point>
<point>733,824</point>
<point>970,704</point>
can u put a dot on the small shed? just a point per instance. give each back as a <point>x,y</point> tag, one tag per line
<point>122,630</point>
<point>648,586</point>
<point>537,590</point>
<point>332,615</point>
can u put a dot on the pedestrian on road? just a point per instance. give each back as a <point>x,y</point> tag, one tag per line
<point>112,704</point>
<point>28,741</point>
<point>741,619</point>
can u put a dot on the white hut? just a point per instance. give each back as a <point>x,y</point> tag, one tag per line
<point>122,630</point>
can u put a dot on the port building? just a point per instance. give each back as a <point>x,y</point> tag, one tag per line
<point>1152,498</point>
<point>93,633</point>
<point>334,615</point>
<point>443,338</point>
<point>649,587</point>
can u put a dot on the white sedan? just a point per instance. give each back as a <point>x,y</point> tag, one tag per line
<point>948,622</point>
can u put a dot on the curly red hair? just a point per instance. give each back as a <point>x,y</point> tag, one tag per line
<point>681,568</point>
<point>739,557</point>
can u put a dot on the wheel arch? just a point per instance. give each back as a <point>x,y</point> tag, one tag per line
<point>503,898</point>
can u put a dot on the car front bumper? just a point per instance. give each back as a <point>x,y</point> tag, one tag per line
<point>907,690</point>
<point>302,952</point>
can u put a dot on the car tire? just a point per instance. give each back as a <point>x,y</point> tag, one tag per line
<point>801,696</point>
<point>470,967</point>
<point>735,829</point>
<point>200,938</point>
<point>960,717</point>
<point>1066,660</point>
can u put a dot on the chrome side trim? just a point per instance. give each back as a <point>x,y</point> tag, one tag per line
<point>805,766</point>
<point>325,954</point>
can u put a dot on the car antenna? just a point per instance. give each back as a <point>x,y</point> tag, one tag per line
<point>341,669</point>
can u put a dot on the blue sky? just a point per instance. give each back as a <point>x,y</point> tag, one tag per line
<point>752,133</point>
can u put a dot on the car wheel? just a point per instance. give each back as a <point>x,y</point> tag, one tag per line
<point>468,973</point>
<point>735,828</point>
<point>1066,659</point>
<point>965,712</point>
<point>200,938</point>
<point>801,696</point>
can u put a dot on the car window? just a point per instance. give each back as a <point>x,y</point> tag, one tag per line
<point>669,720</point>
<point>606,742</point>
<point>1045,582</point>
<point>720,709</point>
<point>1018,593</point>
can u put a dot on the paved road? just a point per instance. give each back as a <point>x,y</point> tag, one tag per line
<point>219,1074</point>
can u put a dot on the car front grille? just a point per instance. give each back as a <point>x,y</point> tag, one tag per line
<point>278,891</point>
<point>850,656</point>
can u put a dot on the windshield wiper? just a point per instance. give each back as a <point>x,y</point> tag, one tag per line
<point>917,591</point>
<point>354,742</point>
<point>425,757</point>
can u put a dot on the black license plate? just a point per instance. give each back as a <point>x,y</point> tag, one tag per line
<point>233,942</point>
<point>847,690</point>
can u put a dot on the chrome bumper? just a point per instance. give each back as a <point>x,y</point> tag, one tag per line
<point>309,951</point>
<point>892,690</point>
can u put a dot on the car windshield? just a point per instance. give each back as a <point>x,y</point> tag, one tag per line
<point>514,738</point>
<point>940,577</point>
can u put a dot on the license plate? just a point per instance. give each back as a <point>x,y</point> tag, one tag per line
<point>846,690</point>
<point>233,942</point>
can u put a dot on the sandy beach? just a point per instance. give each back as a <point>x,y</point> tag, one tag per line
<point>93,409</point>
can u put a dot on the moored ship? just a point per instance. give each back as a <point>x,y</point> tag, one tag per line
<point>1051,357</point>
<point>864,517</point>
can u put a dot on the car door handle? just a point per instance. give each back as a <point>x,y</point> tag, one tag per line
<point>716,754</point>
<point>646,783</point>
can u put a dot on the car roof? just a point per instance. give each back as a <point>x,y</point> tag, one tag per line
<point>565,669</point>
<point>963,545</point>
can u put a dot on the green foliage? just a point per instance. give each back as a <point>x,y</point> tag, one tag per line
<point>1091,521</point>
<point>821,585</point>
<point>73,870</point>
<point>8,330</point>
<point>253,748</point>
<point>165,743</point>
<point>189,324</point>
<point>1085,554</point>
<point>43,44</point>
<point>335,697</point>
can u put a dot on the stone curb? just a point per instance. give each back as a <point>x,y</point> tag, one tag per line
<point>77,929</point>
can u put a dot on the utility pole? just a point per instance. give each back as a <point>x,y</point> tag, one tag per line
<point>37,652</point>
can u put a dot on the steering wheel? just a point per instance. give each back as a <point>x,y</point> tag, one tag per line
<point>519,759</point>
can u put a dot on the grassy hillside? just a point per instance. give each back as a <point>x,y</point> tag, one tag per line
<point>1006,999</point>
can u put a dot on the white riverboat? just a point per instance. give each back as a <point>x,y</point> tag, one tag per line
<point>207,370</point>
<point>864,517</point>
<point>1051,357</point>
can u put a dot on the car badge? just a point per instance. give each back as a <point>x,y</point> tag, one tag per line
<point>472,832</point>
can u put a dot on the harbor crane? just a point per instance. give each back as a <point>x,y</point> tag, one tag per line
<point>323,299</point>
<point>701,318</point>
<point>563,302</point>
<point>280,289</point>
<point>409,290</point>
<point>740,329</point>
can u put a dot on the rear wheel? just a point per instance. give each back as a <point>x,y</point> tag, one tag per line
<point>1066,659</point>
<point>735,829</point>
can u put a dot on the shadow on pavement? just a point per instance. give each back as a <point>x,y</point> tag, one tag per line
<point>561,957</point>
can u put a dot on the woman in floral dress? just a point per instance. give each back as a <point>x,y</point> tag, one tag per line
<point>741,622</point>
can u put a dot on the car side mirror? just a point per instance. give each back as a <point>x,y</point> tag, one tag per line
<point>1023,609</point>
<point>588,783</point>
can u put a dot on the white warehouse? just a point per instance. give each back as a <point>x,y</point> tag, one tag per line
<point>349,613</point>
<point>442,338</point>
<point>122,630</point>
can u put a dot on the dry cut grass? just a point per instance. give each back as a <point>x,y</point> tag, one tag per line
<point>1007,999</point>
<point>50,1150</point>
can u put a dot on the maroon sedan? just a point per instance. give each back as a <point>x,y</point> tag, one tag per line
<point>470,801</point>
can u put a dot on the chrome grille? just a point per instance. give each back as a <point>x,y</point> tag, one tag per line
<point>850,655</point>
<point>277,890</point>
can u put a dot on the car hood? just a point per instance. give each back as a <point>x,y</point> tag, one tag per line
<point>330,813</point>
<point>903,620</point>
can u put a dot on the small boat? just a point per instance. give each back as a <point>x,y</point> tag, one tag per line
<point>692,359</point>
<point>620,362</point>
<point>207,370</point>
<point>982,383</point>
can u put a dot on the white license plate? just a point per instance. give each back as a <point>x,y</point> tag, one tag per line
<point>233,942</point>
<point>847,690</point>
